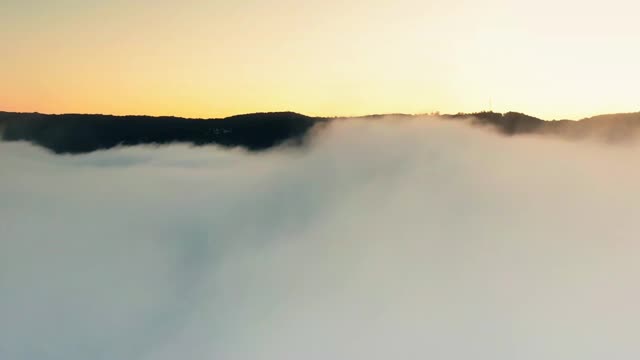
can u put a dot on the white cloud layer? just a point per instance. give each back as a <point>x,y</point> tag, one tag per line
<point>381,240</point>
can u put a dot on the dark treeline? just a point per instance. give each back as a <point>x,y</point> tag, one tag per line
<point>75,133</point>
<point>610,128</point>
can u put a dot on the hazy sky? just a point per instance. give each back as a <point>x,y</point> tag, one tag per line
<point>549,58</point>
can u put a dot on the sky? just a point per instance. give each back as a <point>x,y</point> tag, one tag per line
<point>549,58</point>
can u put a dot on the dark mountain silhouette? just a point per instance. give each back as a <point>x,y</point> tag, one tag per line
<point>74,133</point>
<point>610,128</point>
<point>81,133</point>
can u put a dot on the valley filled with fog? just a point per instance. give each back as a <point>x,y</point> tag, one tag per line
<point>387,239</point>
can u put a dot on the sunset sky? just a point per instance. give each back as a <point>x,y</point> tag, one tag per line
<point>548,58</point>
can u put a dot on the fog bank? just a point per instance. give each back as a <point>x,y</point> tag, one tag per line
<point>380,240</point>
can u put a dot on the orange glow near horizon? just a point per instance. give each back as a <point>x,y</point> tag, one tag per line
<point>196,58</point>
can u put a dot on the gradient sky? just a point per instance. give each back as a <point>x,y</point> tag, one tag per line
<point>197,58</point>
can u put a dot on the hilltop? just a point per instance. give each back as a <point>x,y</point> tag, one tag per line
<point>82,133</point>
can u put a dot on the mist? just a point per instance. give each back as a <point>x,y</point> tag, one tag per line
<point>386,239</point>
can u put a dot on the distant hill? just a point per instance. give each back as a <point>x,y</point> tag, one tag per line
<point>81,133</point>
<point>75,133</point>
<point>610,128</point>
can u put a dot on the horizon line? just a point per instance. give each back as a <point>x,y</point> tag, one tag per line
<point>433,113</point>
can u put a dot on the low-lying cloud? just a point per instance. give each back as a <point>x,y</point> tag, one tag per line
<point>380,240</point>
